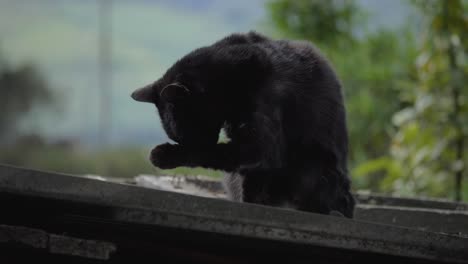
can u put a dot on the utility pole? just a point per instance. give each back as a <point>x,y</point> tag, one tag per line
<point>105,70</point>
<point>104,78</point>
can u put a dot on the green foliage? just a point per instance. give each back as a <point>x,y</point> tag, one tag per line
<point>428,147</point>
<point>329,22</point>
<point>372,75</point>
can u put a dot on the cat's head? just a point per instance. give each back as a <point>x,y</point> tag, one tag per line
<point>195,94</point>
<point>189,113</point>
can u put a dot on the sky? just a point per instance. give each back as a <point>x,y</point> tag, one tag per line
<point>61,38</point>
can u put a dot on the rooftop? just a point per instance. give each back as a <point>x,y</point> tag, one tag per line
<point>61,217</point>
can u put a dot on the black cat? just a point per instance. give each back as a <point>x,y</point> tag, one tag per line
<point>280,104</point>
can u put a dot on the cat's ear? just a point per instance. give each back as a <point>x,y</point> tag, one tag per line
<point>145,94</point>
<point>173,92</point>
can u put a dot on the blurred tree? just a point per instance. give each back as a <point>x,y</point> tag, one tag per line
<point>373,66</point>
<point>428,148</point>
<point>325,22</point>
<point>21,88</point>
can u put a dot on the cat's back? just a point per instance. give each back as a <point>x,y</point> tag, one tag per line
<point>295,64</point>
<point>298,55</point>
<point>281,52</point>
<point>250,38</point>
<point>299,68</point>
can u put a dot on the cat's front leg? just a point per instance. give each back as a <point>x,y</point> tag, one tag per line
<point>169,156</point>
<point>226,157</point>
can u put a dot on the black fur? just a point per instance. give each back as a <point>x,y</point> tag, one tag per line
<point>281,106</point>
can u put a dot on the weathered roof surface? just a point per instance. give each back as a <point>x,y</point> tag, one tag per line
<point>429,203</point>
<point>434,215</point>
<point>132,222</point>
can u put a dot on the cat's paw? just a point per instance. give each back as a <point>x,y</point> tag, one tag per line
<point>166,156</point>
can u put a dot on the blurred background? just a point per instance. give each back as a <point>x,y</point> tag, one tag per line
<point>67,69</point>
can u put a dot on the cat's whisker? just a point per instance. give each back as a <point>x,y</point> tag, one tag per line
<point>174,84</point>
